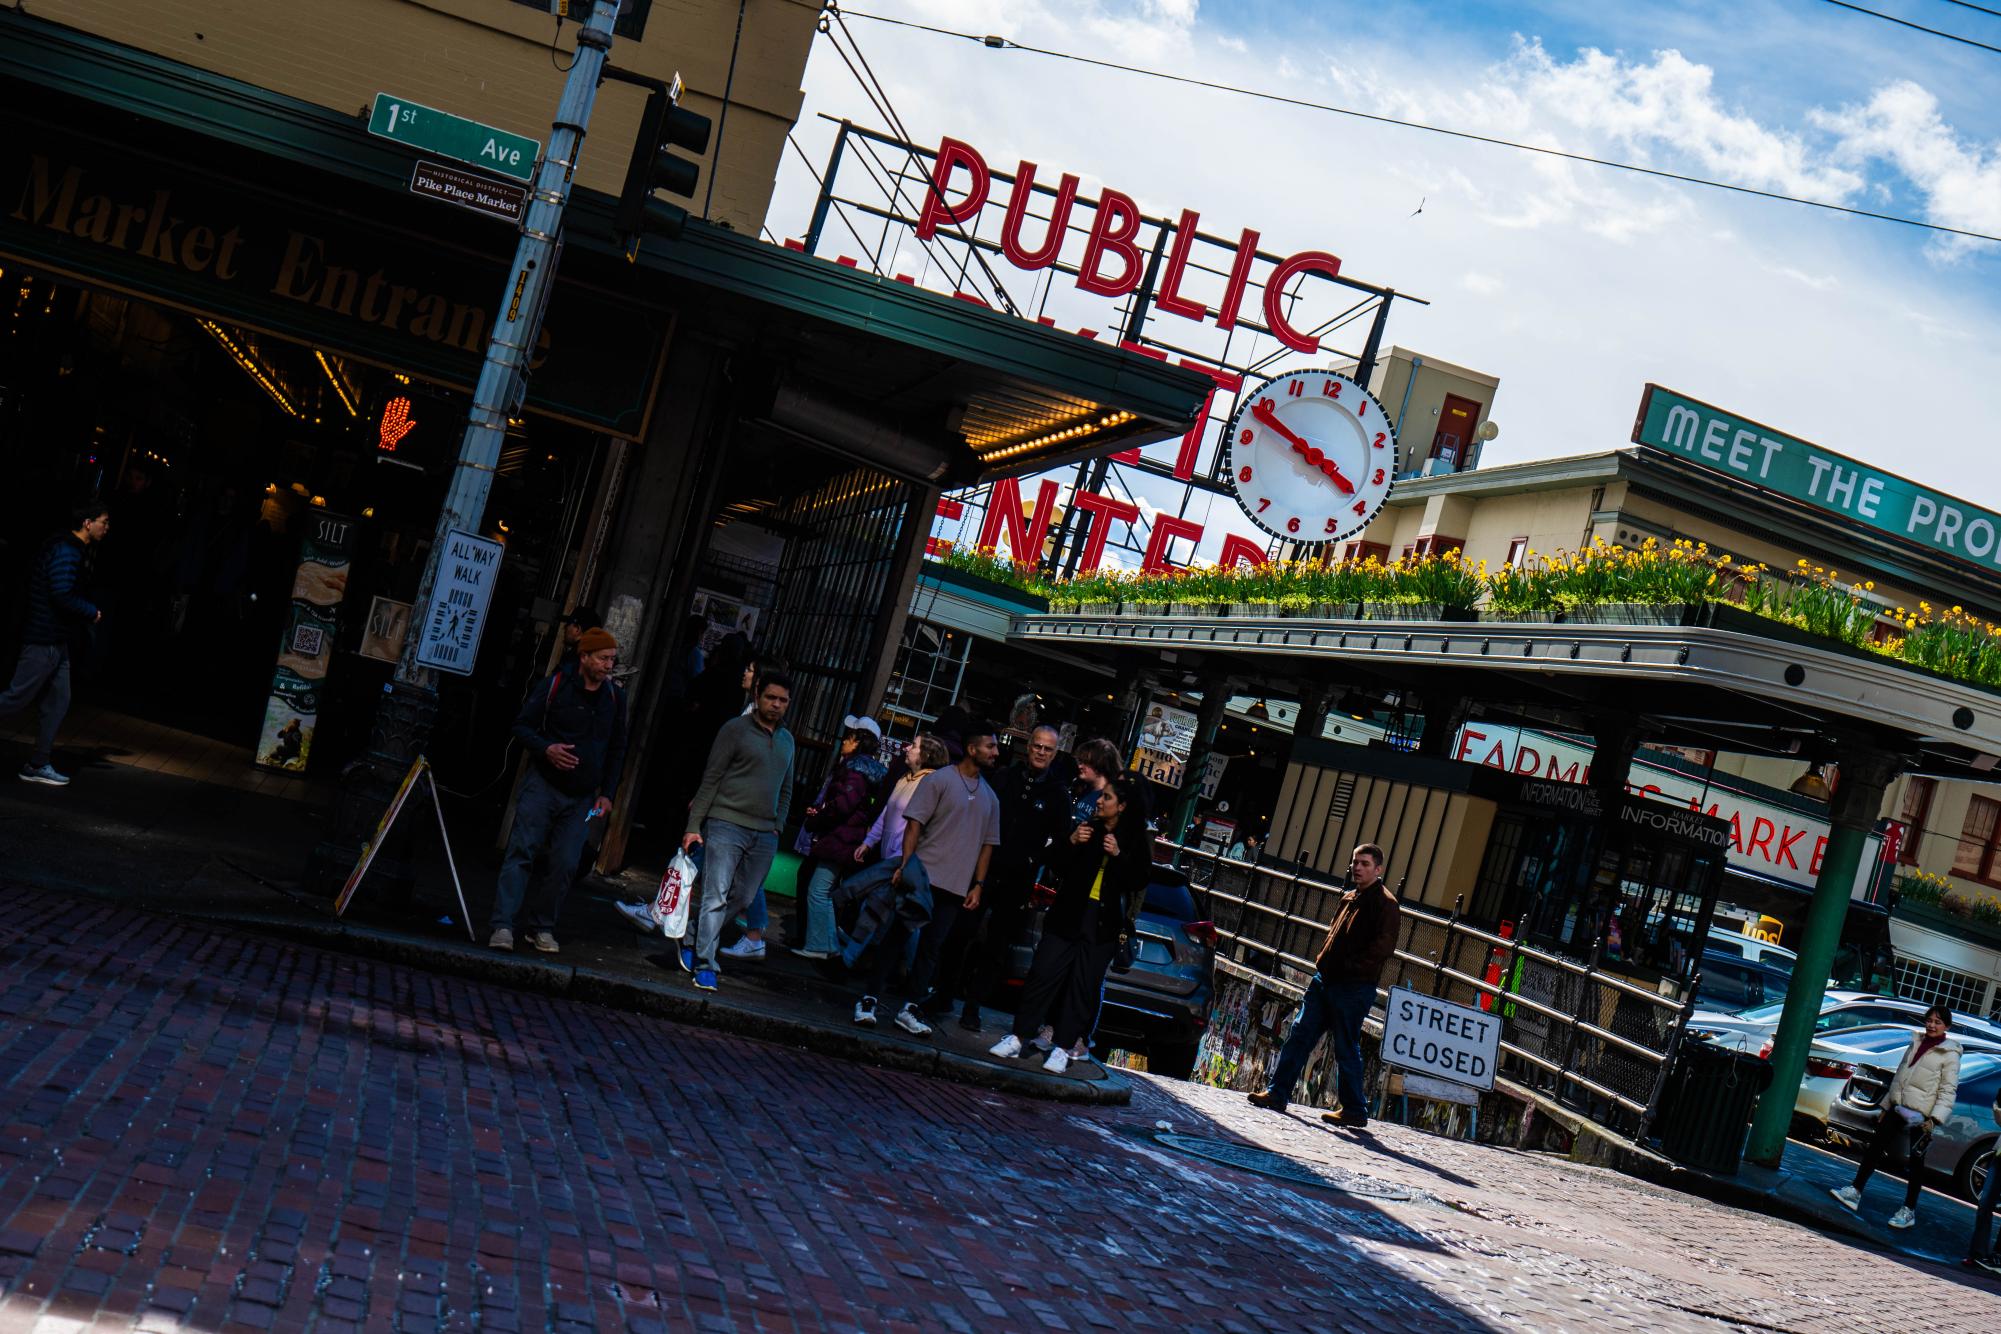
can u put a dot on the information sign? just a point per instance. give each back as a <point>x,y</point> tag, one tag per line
<point>441,132</point>
<point>468,190</point>
<point>457,611</point>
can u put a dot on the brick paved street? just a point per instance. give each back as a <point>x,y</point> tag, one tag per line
<point>206,1130</point>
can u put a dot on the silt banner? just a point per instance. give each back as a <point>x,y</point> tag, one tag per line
<point>307,648</point>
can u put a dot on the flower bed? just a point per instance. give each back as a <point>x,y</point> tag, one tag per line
<point>1678,584</point>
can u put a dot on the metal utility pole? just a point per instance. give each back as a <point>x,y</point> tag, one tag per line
<point>517,322</point>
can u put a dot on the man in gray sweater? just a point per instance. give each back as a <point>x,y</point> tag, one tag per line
<point>745,795</point>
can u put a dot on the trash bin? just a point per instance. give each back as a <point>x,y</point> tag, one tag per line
<point>1706,1107</point>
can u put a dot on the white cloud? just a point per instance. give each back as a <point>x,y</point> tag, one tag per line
<point>1482,284</point>
<point>1901,125</point>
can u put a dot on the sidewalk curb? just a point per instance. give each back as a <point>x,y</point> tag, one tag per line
<point>594,986</point>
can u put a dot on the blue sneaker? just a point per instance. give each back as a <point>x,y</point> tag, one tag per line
<point>687,956</point>
<point>45,774</point>
<point>705,980</point>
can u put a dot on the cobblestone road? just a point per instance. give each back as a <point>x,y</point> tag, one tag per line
<point>208,1131</point>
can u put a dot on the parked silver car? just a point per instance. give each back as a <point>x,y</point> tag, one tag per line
<point>1962,1149</point>
<point>1833,1060</point>
<point>1746,1030</point>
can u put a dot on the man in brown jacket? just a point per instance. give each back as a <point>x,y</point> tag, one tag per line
<point>1359,942</point>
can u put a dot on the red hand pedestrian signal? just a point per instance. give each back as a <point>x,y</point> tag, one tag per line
<point>396,424</point>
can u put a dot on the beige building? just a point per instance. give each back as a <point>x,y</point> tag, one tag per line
<point>501,62</point>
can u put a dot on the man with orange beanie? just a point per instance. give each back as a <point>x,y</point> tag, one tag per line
<point>573,724</point>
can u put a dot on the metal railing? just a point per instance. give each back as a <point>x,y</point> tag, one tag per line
<point>1597,1042</point>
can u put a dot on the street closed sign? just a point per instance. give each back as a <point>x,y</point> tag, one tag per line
<point>1438,1038</point>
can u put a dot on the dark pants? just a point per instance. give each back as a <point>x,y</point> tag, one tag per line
<point>549,830</point>
<point>1904,1148</point>
<point>1983,1214</point>
<point>42,672</point>
<point>946,909</point>
<point>1002,922</point>
<point>1334,1009</point>
<point>1066,979</point>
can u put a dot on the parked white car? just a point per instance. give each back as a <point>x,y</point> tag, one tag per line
<point>1746,1030</point>
<point>1751,948</point>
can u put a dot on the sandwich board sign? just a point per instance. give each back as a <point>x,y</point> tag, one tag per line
<point>1441,1039</point>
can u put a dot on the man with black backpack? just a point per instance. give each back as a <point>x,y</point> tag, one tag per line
<point>573,724</point>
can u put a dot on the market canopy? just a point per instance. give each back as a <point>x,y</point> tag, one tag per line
<point>1698,686</point>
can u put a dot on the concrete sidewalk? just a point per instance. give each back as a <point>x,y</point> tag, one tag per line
<point>167,843</point>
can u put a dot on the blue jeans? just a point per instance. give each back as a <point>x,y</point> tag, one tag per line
<point>1983,1214</point>
<point>1334,1009</point>
<point>820,907</point>
<point>735,861</point>
<point>550,825</point>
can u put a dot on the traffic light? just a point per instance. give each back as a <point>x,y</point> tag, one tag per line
<point>655,166</point>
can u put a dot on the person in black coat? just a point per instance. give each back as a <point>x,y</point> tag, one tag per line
<point>1102,873</point>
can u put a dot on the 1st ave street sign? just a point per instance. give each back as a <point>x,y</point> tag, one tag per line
<point>453,136</point>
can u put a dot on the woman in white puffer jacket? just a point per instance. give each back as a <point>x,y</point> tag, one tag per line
<point>1920,1097</point>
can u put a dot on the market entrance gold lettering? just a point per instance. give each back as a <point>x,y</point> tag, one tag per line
<point>304,275</point>
<point>65,204</point>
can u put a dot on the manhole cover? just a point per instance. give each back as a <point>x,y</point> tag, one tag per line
<point>1266,1163</point>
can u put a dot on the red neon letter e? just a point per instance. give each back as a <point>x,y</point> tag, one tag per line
<point>1165,529</point>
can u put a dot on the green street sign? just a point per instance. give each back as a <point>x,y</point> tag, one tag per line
<point>1714,439</point>
<point>453,136</point>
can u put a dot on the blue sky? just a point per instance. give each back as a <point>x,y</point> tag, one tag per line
<point>1575,285</point>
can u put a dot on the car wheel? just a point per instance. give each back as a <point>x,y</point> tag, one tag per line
<point>1971,1175</point>
<point>1173,1060</point>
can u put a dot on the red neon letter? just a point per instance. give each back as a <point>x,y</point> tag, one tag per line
<point>1004,511</point>
<point>1017,209</point>
<point>1240,277</point>
<point>1113,229</point>
<point>1306,261</point>
<point>1103,509</point>
<point>1165,529</point>
<point>1191,443</point>
<point>951,154</point>
<point>1239,549</point>
<point>1169,298</point>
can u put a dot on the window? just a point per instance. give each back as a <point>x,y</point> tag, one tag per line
<point>930,665</point>
<point>1929,983</point>
<point>1361,551</point>
<point>1918,794</point>
<point>1518,552</point>
<point>631,23</point>
<point>1975,856</point>
<point>1437,544</point>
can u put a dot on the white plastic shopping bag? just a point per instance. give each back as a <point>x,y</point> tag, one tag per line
<point>670,906</point>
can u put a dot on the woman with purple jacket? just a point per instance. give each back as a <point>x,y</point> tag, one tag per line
<point>838,823</point>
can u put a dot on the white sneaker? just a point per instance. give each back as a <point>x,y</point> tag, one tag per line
<point>1904,1217</point>
<point>865,1012</point>
<point>745,948</point>
<point>639,915</point>
<point>1058,1062</point>
<point>1848,1198</point>
<point>1007,1048</point>
<point>910,1021</point>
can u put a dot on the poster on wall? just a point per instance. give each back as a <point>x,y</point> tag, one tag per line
<point>726,616</point>
<point>318,586</point>
<point>388,623</point>
<point>1166,739</point>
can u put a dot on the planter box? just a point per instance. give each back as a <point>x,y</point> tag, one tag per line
<point>1521,617</point>
<point>948,574</point>
<point>1193,609</point>
<point>1936,918</point>
<point>1634,613</point>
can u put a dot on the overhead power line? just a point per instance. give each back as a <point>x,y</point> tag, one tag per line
<point>1968,4</point>
<point>1919,27</point>
<point>1003,43</point>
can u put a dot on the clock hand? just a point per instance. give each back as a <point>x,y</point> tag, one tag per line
<point>1265,412</point>
<point>1346,487</point>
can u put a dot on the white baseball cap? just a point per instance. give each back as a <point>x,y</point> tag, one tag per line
<point>863,724</point>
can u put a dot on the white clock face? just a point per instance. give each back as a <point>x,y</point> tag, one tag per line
<point>1312,457</point>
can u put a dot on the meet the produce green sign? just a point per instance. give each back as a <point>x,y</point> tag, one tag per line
<point>1675,424</point>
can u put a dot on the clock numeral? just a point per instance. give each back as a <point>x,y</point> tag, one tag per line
<point>1330,388</point>
<point>1361,507</point>
<point>1263,504</point>
<point>1380,437</point>
<point>1361,409</point>
<point>1331,523</point>
<point>1295,388</point>
<point>1377,480</point>
<point>1244,439</point>
<point>1244,473</point>
<point>1292,524</point>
